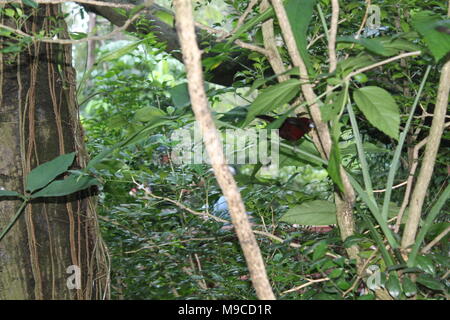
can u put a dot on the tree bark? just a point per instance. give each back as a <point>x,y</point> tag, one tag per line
<point>38,122</point>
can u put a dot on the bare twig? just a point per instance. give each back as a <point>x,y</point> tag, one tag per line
<point>372,66</point>
<point>394,187</point>
<point>310,282</point>
<point>435,240</point>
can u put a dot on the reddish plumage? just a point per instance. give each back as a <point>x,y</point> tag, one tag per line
<point>292,129</point>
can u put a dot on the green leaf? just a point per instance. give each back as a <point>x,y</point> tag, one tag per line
<point>334,164</point>
<point>380,109</point>
<point>31,3</point>
<point>78,35</point>
<point>427,24</point>
<point>42,175</point>
<point>8,193</point>
<point>320,249</point>
<point>67,186</point>
<point>312,213</point>
<point>334,105</point>
<point>354,240</point>
<point>299,14</point>
<point>116,54</point>
<point>250,24</point>
<point>425,264</point>
<point>165,17</point>
<point>180,96</point>
<point>149,114</point>
<point>273,97</point>
<point>429,282</point>
<point>409,287</point>
<point>393,285</point>
<point>336,273</point>
<point>373,45</point>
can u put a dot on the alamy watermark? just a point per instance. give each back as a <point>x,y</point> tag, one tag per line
<point>74,280</point>
<point>249,146</point>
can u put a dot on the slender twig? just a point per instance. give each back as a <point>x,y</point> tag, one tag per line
<point>394,187</point>
<point>435,240</point>
<point>310,282</point>
<point>378,64</point>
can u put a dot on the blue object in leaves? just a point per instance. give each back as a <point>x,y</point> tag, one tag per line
<point>220,209</point>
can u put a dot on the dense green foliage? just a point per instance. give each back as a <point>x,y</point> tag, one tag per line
<point>157,216</point>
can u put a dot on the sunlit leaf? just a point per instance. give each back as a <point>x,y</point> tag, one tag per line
<point>312,213</point>
<point>380,109</point>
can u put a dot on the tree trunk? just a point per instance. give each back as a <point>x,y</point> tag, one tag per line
<point>55,240</point>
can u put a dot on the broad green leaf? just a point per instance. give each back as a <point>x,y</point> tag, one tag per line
<point>320,249</point>
<point>180,96</point>
<point>393,285</point>
<point>373,45</point>
<point>336,273</point>
<point>425,264</point>
<point>31,3</point>
<point>149,114</point>
<point>250,24</point>
<point>354,240</point>
<point>273,97</point>
<point>352,63</point>
<point>334,105</point>
<point>305,153</point>
<point>393,211</point>
<point>409,287</point>
<point>334,165</point>
<point>120,52</point>
<point>45,173</point>
<point>67,186</point>
<point>368,148</point>
<point>8,193</point>
<point>428,24</point>
<point>312,213</point>
<point>380,109</point>
<point>429,282</point>
<point>165,17</point>
<point>235,116</point>
<point>299,14</point>
<point>78,35</point>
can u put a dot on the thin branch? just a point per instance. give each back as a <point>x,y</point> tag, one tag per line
<point>435,240</point>
<point>400,56</point>
<point>394,187</point>
<point>310,282</point>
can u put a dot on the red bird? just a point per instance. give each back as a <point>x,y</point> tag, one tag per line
<point>292,128</point>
